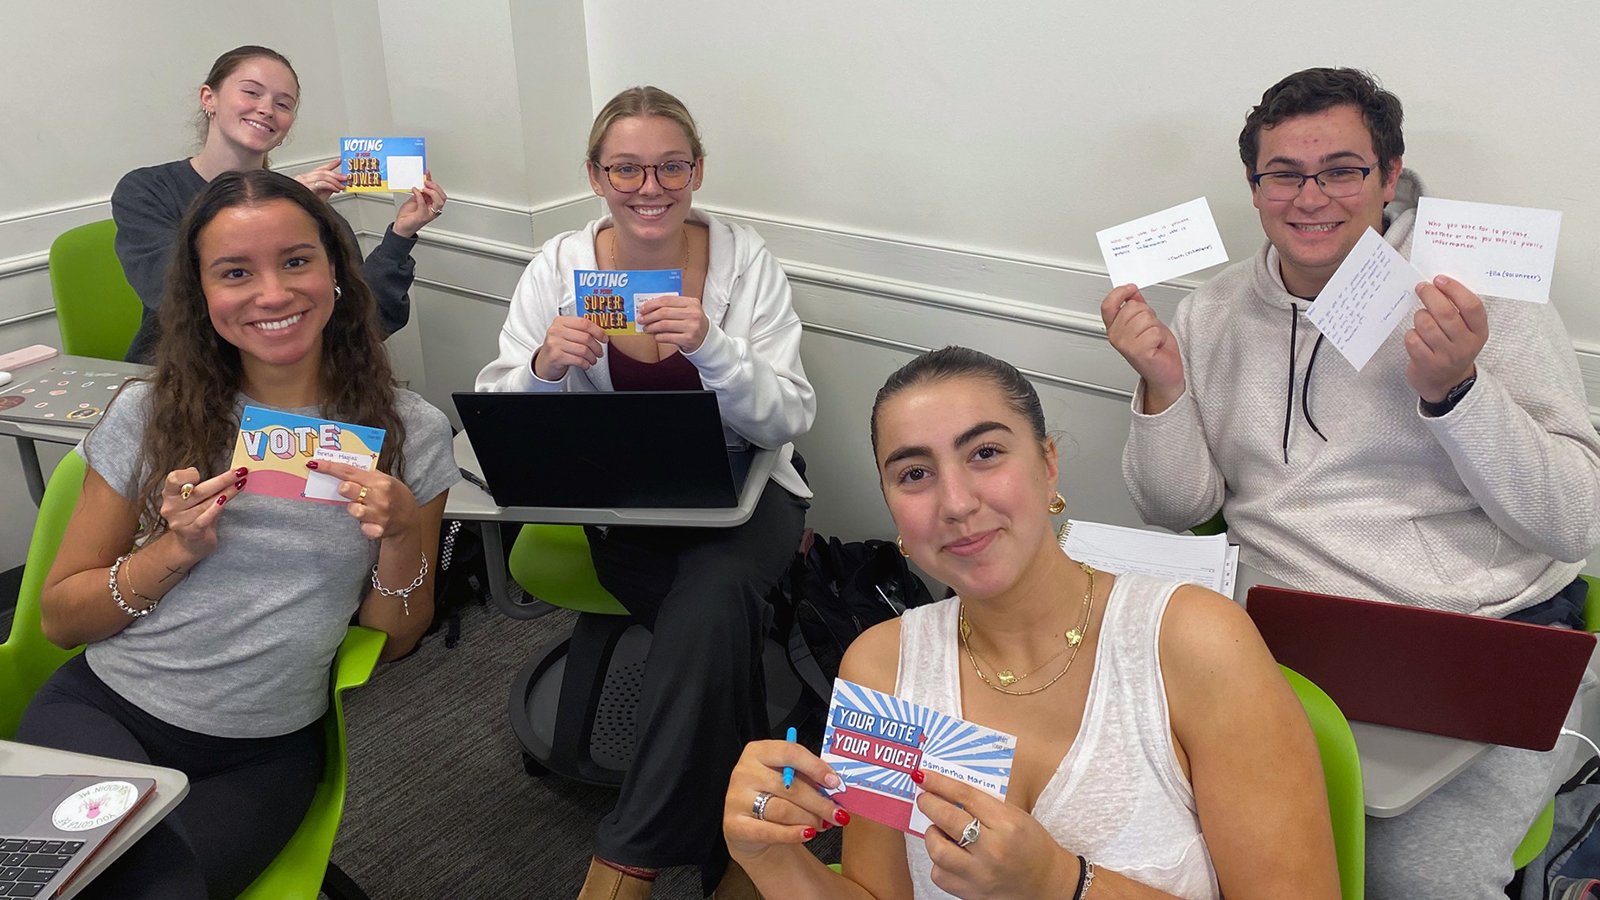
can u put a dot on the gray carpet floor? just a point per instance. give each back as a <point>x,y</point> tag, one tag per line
<point>439,805</point>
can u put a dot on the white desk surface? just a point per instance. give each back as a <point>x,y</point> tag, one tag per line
<point>1399,767</point>
<point>171,786</point>
<point>468,501</point>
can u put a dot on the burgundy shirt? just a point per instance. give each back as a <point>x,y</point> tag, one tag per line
<point>671,374</point>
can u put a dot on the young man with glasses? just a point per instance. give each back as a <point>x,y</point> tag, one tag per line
<point>1459,470</point>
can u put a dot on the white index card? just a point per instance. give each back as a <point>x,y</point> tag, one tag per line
<point>1371,293</point>
<point>1164,245</point>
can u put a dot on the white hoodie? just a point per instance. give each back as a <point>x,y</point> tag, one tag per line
<point>750,357</point>
<point>1486,510</point>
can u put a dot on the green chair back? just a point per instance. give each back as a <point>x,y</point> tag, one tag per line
<point>1214,525</point>
<point>96,308</point>
<point>26,658</point>
<point>1341,774</point>
<point>552,562</point>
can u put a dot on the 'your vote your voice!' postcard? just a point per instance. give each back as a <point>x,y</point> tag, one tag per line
<point>610,298</point>
<point>275,447</point>
<point>874,741</point>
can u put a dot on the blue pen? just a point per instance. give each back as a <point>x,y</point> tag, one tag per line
<point>788,771</point>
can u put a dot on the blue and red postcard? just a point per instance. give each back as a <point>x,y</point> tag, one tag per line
<point>383,164</point>
<point>610,298</point>
<point>275,447</point>
<point>874,741</point>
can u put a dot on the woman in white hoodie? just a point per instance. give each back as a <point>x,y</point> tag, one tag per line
<point>702,592</point>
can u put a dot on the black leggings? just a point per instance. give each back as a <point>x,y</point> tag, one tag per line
<point>703,593</point>
<point>246,795</point>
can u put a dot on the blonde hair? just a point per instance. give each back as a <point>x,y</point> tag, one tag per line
<point>645,100</point>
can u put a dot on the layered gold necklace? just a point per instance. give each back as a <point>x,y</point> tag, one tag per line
<point>1074,637</point>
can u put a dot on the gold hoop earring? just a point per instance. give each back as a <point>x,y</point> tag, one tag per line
<point>1058,505</point>
<point>898,542</point>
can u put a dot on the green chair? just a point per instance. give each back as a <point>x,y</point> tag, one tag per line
<point>96,308</point>
<point>1341,774</point>
<point>1214,525</point>
<point>1539,833</point>
<point>572,705</point>
<point>27,659</point>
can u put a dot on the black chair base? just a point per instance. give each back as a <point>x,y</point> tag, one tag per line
<point>336,885</point>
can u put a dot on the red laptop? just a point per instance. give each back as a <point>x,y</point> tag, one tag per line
<point>1446,673</point>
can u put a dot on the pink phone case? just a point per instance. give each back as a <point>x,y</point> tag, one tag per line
<point>27,356</point>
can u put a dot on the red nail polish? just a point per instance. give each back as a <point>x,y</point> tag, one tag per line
<point>808,832</point>
<point>917,776</point>
<point>826,826</point>
<point>239,485</point>
<point>312,464</point>
<point>241,471</point>
<point>223,499</point>
<point>842,817</point>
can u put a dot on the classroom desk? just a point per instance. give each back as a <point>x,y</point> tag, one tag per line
<point>65,431</point>
<point>171,786</point>
<point>1399,767</point>
<point>469,502</point>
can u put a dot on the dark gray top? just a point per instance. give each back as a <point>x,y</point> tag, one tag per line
<point>149,203</point>
<point>241,647</point>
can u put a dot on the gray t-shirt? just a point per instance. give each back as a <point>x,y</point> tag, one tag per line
<point>242,646</point>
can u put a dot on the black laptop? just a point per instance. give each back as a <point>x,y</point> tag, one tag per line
<point>604,449</point>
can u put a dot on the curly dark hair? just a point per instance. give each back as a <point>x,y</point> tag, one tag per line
<point>1315,90</point>
<point>198,374</point>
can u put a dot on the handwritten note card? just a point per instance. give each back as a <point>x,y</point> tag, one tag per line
<point>1168,244</point>
<point>1371,293</point>
<point>1499,251</point>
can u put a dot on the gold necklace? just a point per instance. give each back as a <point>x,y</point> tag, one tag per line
<point>1074,638</point>
<point>612,247</point>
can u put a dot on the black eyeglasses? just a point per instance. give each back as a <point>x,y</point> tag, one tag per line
<point>672,175</point>
<point>1339,181</point>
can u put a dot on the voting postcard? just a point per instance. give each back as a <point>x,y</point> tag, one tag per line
<point>610,298</point>
<point>1162,246</point>
<point>875,741</point>
<point>1496,251</point>
<point>383,165</point>
<point>275,446</point>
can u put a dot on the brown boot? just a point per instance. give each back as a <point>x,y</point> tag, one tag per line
<point>735,885</point>
<point>606,883</point>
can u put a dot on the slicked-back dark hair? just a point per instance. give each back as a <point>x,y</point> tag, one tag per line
<point>1314,90</point>
<point>961,362</point>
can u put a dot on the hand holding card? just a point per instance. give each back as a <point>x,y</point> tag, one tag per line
<point>275,446</point>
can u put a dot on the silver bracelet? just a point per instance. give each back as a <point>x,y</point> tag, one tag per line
<point>403,593</point>
<point>117,594</point>
<point>1088,879</point>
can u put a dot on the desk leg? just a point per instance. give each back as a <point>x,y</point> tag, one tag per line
<point>494,556</point>
<point>31,473</point>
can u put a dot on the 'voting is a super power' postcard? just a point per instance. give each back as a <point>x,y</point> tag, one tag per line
<point>875,741</point>
<point>383,164</point>
<point>610,298</point>
<point>275,447</point>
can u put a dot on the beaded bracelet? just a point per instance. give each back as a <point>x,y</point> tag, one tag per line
<point>117,594</point>
<point>403,593</point>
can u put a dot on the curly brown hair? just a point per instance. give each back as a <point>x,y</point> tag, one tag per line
<point>198,375</point>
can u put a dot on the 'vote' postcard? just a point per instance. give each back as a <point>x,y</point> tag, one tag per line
<point>275,446</point>
<point>875,741</point>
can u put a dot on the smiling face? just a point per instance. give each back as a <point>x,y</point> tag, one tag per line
<point>1313,232</point>
<point>650,214</point>
<point>254,105</point>
<point>268,282</point>
<point>967,483</point>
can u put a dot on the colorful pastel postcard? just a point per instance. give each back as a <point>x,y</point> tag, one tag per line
<point>610,298</point>
<point>1496,251</point>
<point>275,447</point>
<point>875,741</point>
<point>383,165</point>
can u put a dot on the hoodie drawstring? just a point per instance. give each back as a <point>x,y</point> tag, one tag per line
<point>1305,388</point>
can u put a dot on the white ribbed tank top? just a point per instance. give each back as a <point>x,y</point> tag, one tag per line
<point>1119,797</point>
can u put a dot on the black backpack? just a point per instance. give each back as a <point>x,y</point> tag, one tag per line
<point>1569,866</point>
<point>835,591</point>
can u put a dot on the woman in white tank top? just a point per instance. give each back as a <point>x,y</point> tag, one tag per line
<point>1159,751</point>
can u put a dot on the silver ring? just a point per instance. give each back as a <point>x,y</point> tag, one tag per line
<point>970,833</point>
<point>437,210</point>
<point>759,808</point>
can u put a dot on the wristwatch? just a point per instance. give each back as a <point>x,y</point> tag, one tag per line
<point>1443,407</point>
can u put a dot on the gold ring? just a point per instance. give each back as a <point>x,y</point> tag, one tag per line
<point>186,491</point>
<point>362,497</point>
